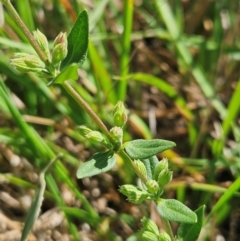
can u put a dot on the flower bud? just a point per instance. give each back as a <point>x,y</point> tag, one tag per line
<point>84,130</point>
<point>117,133</point>
<point>42,42</point>
<point>60,39</point>
<point>164,178</point>
<point>59,53</point>
<point>162,165</point>
<point>141,167</point>
<point>95,137</point>
<point>148,236</point>
<point>133,193</point>
<point>164,237</point>
<point>152,186</point>
<point>59,48</point>
<point>24,62</point>
<point>149,225</point>
<point>119,114</point>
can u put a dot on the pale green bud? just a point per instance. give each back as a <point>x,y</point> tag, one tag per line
<point>24,62</point>
<point>148,236</point>
<point>119,114</point>
<point>95,137</point>
<point>162,165</point>
<point>42,42</point>
<point>164,237</point>
<point>59,48</point>
<point>59,53</point>
<point>84,130</point>
<point>152,186</point>
<point>117,133</point>
<point>164,177</point>
<point>149,225</point>
<point>141,167</point>
<point>60,39</point>
<point>133,193</point>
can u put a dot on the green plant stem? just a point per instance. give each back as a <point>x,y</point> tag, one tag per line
<point>126,158</point>
<point>87,108</point>
<point>44,58</point>
<point>168,228</point>
<point>21,24</point>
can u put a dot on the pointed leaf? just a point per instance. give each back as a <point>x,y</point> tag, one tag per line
<point>142,149</point>
<point>34,210</point>
<point>175,211</point>
<point>190,232</point>
<point>150,164</point>
<point>69,73</point>
<point>98,163</point>
<point>77,41</point>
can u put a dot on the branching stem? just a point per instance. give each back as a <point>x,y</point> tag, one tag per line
<point>25,30</point>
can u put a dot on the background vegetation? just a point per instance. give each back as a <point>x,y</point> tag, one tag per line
<point>176,68</point>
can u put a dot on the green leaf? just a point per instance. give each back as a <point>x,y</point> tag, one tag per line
<point>35,208</point>
<point>150,164</point>
<point>190,232</point>
<point>77,41</point>
<point>69,73</point>
<point>175,211</point>
<point>98,163</point>
<point>142,149</point>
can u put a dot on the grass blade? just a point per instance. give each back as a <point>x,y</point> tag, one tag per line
<point>126,44</point>
<point>34,210</point>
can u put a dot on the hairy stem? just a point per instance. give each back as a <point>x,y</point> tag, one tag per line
<point>88,109</point>
<point>25,30</point>
<point>168,228</point>
<point>44,58</point>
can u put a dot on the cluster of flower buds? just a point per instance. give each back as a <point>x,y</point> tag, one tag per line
<point>119,119</point>
<point>25,62</point>
<point>154,187</point>
<point>150,232</point>
<point>95,137</point>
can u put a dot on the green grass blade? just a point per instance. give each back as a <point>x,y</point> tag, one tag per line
<point>25,11</point>
<point>232,113</point>
<point>40,148</point>
<point>165,88</point>
<point>126,44</point>
<point>198,73</point>
<point>96,15</point>
<point>101,74</point>
<point>225,198</point>
<point>34,210</point>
